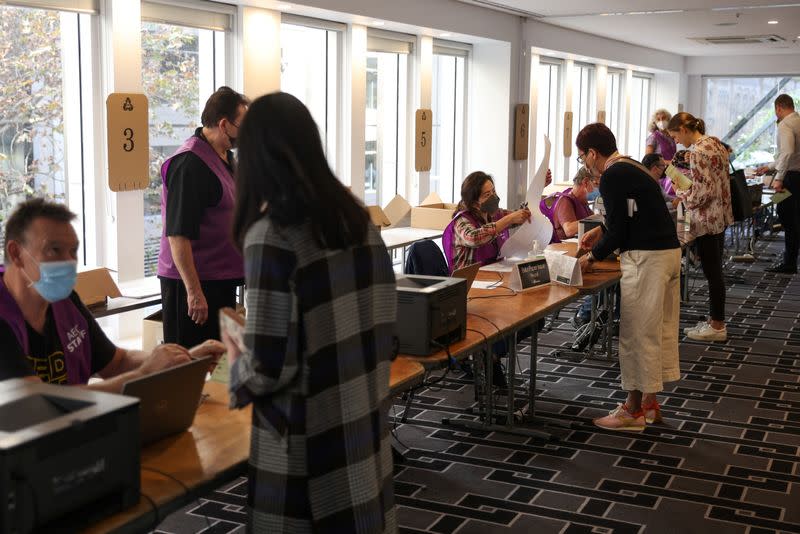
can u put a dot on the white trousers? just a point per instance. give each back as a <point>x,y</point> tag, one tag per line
<point>650,310</point>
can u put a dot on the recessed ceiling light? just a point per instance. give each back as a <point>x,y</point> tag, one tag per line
<point>378,23</point>
<point>285,7</point>
<point>445,34</point>
<point>772,22</point>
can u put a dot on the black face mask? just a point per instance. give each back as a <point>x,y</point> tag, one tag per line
<point>491,205</point>
<point>232,140</point>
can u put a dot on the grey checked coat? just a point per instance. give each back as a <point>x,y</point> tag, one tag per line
<point>319,336</point>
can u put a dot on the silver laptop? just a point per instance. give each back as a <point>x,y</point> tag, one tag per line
<point>468,273</point>
<point>168,399</point>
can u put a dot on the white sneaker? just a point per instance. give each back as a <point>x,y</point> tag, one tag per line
<point>708,333</point>
<point>698,326</point>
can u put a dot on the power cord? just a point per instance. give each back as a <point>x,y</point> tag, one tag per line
<point>157,520</point>
<point>485,319</point>
<point>450,363</point>
<point>189,492</point>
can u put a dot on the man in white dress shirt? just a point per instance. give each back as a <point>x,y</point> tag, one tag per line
<point>787,177</point>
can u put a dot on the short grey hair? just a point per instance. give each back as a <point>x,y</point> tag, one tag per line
<point>581,176</point>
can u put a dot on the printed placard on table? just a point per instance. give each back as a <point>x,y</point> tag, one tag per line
<point>529,274</point>
<point>564,269</point>
<point>521,131</point>
<point>128,142</point>
<point>422,140</point>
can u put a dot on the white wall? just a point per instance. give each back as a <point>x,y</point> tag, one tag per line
<point>549,37</point>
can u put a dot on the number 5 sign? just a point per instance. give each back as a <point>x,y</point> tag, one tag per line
<point>422,140</point>
<point>128,142</point>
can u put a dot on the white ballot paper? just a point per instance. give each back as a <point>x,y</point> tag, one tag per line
<point>539,229</point>
<point>564,269</point>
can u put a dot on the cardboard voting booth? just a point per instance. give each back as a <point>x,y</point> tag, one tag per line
<point>433,213</point>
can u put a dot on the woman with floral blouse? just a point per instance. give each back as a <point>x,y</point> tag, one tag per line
<point>708,201</point>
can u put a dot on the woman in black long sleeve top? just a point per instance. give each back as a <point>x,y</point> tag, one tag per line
<point>638,223</point>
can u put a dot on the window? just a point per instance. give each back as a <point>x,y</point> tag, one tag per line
<point>181,67</point>
<point>741,112</point>
<point>45,69</point>
<point>548,116</point>
<point>309,60</point>
<point>584,108</point>
<point>640,116</point>
<point>386,118</point>
<point>447,104</point>
<point>614,106</point>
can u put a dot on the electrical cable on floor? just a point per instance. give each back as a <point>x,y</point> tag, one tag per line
<point>149,499</point>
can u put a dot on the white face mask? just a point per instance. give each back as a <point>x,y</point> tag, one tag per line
<point>662,125</point>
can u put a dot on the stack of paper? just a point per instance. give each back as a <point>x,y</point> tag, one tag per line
<point>679,180</point>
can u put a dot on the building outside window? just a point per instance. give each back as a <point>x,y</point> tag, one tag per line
<point>309,63</point>
<point>181,67</point>
<point>584,108</point>
<point>614,107</point>
<point>741,112</point>
<point>641,108</point>
<point>45,62</point>
<point>386,119</point>
<point>448,106</point>
<point>548,116</point>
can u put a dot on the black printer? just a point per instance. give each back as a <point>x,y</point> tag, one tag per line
<point>431,312</point>
<point>68,456</point>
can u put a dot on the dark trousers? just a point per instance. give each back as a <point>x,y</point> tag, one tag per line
<point>178,325</point>
<point>710,250</point>
<point>789,215</point>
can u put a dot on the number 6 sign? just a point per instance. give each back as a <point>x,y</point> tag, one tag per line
<point>128,142</point>
<point>423,148</point>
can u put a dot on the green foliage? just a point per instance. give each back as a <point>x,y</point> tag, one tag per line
<point>30,104</point>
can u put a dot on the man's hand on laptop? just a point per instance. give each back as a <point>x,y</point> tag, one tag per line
<point>212,348</point>
<point>163,357</point>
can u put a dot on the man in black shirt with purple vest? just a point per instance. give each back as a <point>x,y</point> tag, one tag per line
<point>639,225</point>
<point>198,265</point>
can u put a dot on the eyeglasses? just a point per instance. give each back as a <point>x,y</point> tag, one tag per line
<point>582,159</point>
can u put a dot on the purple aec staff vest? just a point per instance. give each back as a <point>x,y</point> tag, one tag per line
<point>485,254</point>
<point>581,211</point>
<point>72,328</point>
<point>215,257</point>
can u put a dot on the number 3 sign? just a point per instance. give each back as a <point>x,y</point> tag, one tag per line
<point>128,142</point>
<point>423,151</point>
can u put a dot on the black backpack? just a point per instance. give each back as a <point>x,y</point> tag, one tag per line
<point>741,204</point>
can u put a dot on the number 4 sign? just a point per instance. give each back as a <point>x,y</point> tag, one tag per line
<point>128,142</point>
<point>423,149</point>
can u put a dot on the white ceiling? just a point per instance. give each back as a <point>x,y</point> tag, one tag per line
<point>640,22</point>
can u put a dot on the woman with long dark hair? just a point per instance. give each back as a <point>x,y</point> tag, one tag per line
<point>319,334</point>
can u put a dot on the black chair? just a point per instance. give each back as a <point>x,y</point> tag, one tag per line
<point>426,258</point>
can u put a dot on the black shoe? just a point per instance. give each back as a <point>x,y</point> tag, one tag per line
<point>499,375</point>
<point>466,367</point>
<point>578,321</point>
<point>781,268</point>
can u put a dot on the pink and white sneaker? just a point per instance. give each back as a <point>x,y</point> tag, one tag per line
<point>622,419</point>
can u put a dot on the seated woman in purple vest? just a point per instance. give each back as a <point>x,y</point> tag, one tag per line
<point>475,235</point>
<point>572,206</point>
<point>479,226</point>
<point>46,333</point>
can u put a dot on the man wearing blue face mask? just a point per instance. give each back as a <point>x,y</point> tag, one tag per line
<point>46,333</point>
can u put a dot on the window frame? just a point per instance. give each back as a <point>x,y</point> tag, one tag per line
<point>556,148</point>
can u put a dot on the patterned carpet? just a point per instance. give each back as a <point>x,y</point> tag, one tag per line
<point>725,461</point>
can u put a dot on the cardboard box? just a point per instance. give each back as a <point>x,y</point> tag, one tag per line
<point>432,213</point>
<point>95,286</point>
<point>152,331</point>
<point>378,217</point>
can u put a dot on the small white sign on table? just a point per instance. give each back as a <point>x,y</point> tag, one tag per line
<point>564,269</point>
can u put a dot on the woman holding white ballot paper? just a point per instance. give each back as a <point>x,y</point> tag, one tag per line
<point>707,197</point>
<point>640,226</point>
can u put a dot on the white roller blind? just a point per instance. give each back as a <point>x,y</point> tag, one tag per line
<point>396,43</point>
<point>297,20</point>
<point>78,6</point>
<point>206,15</point>
<point>451,48</point>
